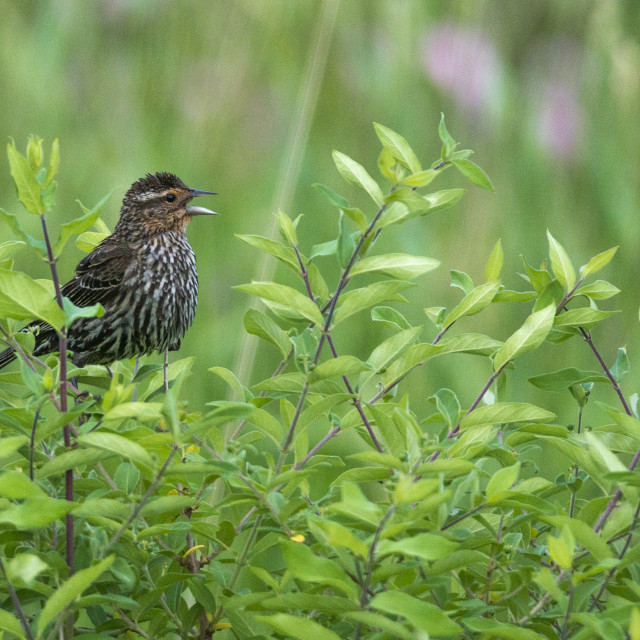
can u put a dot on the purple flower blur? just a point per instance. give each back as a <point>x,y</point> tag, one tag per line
<point>462,61</point>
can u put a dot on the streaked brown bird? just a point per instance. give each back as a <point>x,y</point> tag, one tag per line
<point>144,275</point>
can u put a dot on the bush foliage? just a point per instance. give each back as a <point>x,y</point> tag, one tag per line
<point>125,513</point>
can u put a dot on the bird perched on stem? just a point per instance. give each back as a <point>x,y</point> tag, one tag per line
<point>143,274</point>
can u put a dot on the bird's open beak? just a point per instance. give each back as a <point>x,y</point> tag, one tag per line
<point>193,210</point>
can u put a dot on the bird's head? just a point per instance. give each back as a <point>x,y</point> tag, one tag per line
<point>159,203</point>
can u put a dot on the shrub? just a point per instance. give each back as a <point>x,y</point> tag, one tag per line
<point>124,512</point>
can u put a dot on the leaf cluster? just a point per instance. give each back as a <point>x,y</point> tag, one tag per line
<point>249,518</point>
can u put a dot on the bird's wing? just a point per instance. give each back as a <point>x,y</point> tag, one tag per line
<point>99,275</point>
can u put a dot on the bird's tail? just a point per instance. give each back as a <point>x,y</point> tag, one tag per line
<point>7,356</point>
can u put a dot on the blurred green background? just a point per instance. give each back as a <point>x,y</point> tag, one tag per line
<point>224,94</point>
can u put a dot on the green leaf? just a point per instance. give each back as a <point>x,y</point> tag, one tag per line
<point>317,283</point>
<point>230,378</point>
<point>390,317</point>
<point>387,165</point>
<point>621,366</point>
<point>72,313</point>
<point>118,444</point>
<point>425,546</point>
<point>298,627</point>
<point>398,147</point>
<point>380,622</point>
<point>337,535</point>
<point>9,623</point>
<point>54,163</point>
<point>333,197</point>
<point>553,294</point>
<point>474,174</point>
<point>448,143</point>
<point>287,228</point>
<point>17,486</point>
<point>561,264</point>
<point>48,195</point>
<point>421,615</point>
<point>502,480</point>
<point>474,343</point>
<point>261,325</point>
<point>25,568</point>
<point>285,296</point>
<point>448,406</point>
<point>22,298</point>
<point>474,302</point>
<point>346,243</point>
<point>340,366</point>
<point>308,567</point>
<point>565,378</point>
<point>140,410</point>
<point>506,295</point>
<point>421,178</point>
<point>68,460</point>
<point>527,338</point>
<point>34,153</point>
<point>583,533</point>
<point>411,358</point>
<point>436,316</point>
<point>10,247</point>
<point>267,424</point>
<point>505,413</point>
<point>397,265</point>
<point>309,602</point>
<point>279,251</point>
<point>126,477</point>
<point>89,240</point>
<point>492,629</point>
<point>77,226</point>
<point>584,317</point>
<point>357,175</point>
<point>323,249</point>
<point>356,216</point>
<point>359,299</point>
<point>461,280</point>
<point>494,264</point>
<point>28,188</point>
<point>597,262</point>
<point>388,350</point>
<point>35,513</point>
<point>68,591</point>
<point>12,222</point>
<point>539,278</point>
<point>321,408</point>
<point>285,382</point>
<point>598,290</point>
<point>404,204</point>
<point>395,213</point>
<point>408,490</point>
<point>363,474</point>
<point>560,552</point>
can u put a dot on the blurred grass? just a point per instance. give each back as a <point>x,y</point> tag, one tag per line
<point>546,94</point>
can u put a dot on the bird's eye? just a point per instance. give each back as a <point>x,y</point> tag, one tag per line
<point>170,197</point>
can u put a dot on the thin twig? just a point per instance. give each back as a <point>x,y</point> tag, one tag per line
<point>333,432</point>
<point>32,442</point>
<point>16,603</point>
<point>364,596</point>
<point>68,475</point>
<point>143,500</point>
<point>134,625</point>
<point>475,404</point>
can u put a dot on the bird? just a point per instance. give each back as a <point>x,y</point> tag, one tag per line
<point>144,276</point>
